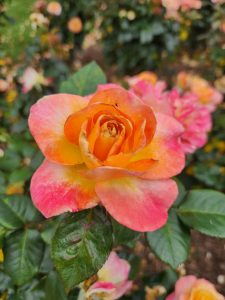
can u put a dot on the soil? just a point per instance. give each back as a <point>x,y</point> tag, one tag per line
<point>207,259</point>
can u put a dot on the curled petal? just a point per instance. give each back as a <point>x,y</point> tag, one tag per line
<point>130,104</point>
<point>115,269</point>
<point>56,189</point>
<point>46,123</point>
<point>139,204</point>
<point>99,288</point>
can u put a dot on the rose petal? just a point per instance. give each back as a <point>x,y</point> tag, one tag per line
<point>46,123</point>
<point>139,204</point>
<point>99,288</point>
<point>171,297</point>
<point>184,285</point>
<point>164,149</point>
<point>115,269</point>
<point>121,289</point>
<point>56,189</point>
<point>129,104</point>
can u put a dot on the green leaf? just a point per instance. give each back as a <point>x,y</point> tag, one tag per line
<point>85,81</point>
<point>49,230</point>
<point>15,211</point>
<point>5,281</point>
<point>54,288</point>
<point>2,235</point>
<point>171,242</point>
<point>23,255</point>
<point>123,235</point>
<point>204,210</point>
<point>81,245</point>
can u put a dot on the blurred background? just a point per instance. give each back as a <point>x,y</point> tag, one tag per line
<point>43,42</point>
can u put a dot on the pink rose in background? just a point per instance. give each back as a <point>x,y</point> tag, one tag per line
<point>207,95</point>
<point>111,281</point>
<point>32,78</point>
<point>191,4</point>
<point>173,6</point>
<point>195,118</point>
<point>192,288</point>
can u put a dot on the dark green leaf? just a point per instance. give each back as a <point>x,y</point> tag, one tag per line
<point>5,281</point>
<point>171,242</point>
<point>54,288</point>
<point>49,230</point>
<point>2,235</point>
<point>123,235</point>
<point>23,254</point>
<point>204,210</point>
<point>84,81</point>
<point>81,245</point>
<point>15,211</point>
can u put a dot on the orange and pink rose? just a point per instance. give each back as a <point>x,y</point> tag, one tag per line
<point>109,148</point>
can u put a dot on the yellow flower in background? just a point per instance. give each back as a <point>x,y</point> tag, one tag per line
<point>15,188</point>
<point>184,34</point>
<point>11,96</point>
<point>4,296</point>
<point>1,256</point>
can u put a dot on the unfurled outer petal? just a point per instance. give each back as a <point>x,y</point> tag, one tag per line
<point>56,189</point>
<point>139,204</point>
<point>115,269</point>
<point>46,123</point>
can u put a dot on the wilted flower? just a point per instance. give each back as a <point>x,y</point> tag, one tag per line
<point>207,95</point>
<point>192,288</point>
<point>38,20</point>
<point>109,148</point>
<point>75,25</point>
<point>54,8</point>
<point>32,78</point>
<point>111,281</point>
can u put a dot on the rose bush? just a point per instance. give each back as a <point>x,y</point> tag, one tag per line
<point>109,148</point>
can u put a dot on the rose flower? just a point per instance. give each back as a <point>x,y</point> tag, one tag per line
<point>109,149</point>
